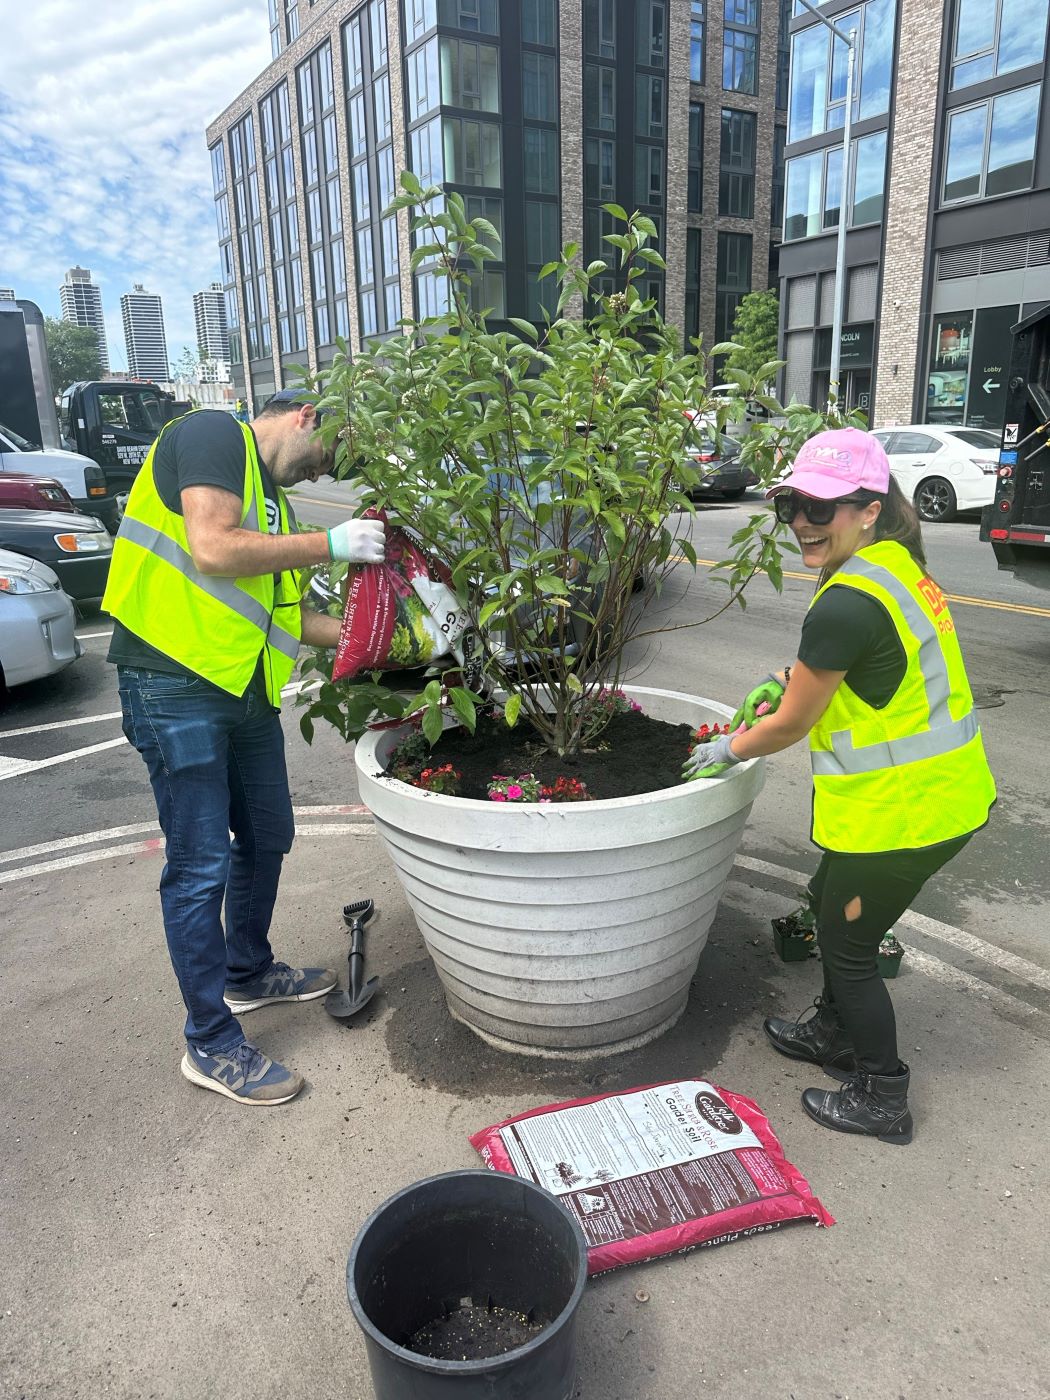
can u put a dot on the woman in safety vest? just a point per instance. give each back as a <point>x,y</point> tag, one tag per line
<point>900,779</point>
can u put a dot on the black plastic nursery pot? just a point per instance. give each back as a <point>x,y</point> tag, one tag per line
<point>792,948</point>
<point>478,1236</point>
<point>890,963</point>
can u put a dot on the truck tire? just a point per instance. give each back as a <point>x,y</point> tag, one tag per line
<point>935,500</point>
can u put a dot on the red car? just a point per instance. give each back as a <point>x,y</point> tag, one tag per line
<point>20,491</point>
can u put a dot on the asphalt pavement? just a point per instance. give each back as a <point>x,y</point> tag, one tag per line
<point>163,1242</point>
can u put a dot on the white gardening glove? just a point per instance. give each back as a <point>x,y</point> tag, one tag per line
<point>711,760</point>
<point>358,541</point>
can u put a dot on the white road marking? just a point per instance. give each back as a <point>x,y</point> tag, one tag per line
<point>156,845</point>
<point>90,636</point>
<point>933,928</point>
<point>67,843</point>
<point>59,724</point>
<point>16,767</point>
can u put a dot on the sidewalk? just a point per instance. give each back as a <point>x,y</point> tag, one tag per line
<point>164,1242</point>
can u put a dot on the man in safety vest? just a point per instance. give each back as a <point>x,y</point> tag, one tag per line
<point>205,597</point>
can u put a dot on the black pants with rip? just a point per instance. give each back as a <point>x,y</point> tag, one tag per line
<point>885,884</point>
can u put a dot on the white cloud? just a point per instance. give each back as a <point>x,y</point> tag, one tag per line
<point>103,160</point>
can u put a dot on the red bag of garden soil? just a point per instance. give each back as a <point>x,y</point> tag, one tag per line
<point>656,1170</point>
<point>398,614</point>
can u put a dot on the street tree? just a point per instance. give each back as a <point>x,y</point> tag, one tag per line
<point>72,353</point>
<point>755,332</point>
<point>187,366</point>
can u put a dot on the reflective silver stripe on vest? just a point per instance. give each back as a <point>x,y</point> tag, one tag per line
<point>283,641</point>
<point>932,663</point>
<point>844,760</point>
<point>224,590</point>
<point>944,735</point>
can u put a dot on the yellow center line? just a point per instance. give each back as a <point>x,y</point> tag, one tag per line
<point>1026,609</point>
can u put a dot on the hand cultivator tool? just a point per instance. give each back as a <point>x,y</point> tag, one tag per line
<point>342,1005</point>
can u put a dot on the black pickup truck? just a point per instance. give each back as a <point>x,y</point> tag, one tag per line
<point>1017,523</point>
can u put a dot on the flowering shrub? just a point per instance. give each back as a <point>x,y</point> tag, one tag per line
<point>524,788</point>
<point>602,708</point>
<point>444,779</point>
<point>565,790</point>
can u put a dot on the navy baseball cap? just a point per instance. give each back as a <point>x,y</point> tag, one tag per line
<point>300,396</point>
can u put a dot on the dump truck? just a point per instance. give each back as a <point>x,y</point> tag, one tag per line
<point>1017,523</point>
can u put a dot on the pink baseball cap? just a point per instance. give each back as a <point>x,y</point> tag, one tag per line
<point>835,463</point>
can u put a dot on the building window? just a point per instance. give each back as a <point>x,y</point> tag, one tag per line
<point>355,69</point>
<point>740,47</point>
<point>692,282</point>
<point>388,239</point>
<point>479,16</point>
<point>425,153</point>
<point>472,152</point>
<point>814,187</point>
<point>470,75</point>
<point>392,305</point>
<point>541,247</point>
<point>651,33</point>
<point>486,206</point>
<point>736,179</point>
<point>697,65</point>
<point>599,97</point>
<point>385,171</point>
<point>541,160</point>
<point>537,22</point>
<point>365,265</point>
<point>218,168</point>
<point>342,319</point>
<point>776,204</point>
<point>310,157</point>
<point>362,196</point>
<point>338,266</point>
<point>648,174</point>
<point>424,86</point>
<point>314,226</point>
<point>368,313</point>
<point>648,105</point>
<point>993,37</point>
<point>599,28</point>
<point>420,15</point>
<point>695,191</point>
<point>599,169</point>
<point>306,95</point>
<point>377,32</point>
<point>319,278</point>
<point>783,56</point>
<point>539,99</point>
<point>358,138</point>
<point>991,146</point>
<point>335,208</point>
<point>431,294</point>
<point>381,94</point>
<point>817,98</point>
<point>733,280</point>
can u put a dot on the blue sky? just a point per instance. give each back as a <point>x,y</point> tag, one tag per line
<point>103,108</point>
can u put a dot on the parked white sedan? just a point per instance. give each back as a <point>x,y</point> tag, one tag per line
<point>36,621</point>
<point>943,470</point>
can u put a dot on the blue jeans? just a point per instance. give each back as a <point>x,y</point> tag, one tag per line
<point>216,764</point>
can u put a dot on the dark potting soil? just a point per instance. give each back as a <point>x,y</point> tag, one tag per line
<point>632,754</point>
<point>473,1331</point>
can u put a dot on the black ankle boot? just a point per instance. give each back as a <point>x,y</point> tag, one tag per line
<point>821,1040</point>
<point>873,1105</point>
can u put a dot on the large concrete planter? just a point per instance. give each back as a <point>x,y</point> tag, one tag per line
<point>568,929</point>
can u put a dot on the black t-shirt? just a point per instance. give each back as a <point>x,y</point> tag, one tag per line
<point>846,630</point>
<point>205,448</point>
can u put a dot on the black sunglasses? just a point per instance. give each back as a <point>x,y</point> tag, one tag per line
<point>787,505</point>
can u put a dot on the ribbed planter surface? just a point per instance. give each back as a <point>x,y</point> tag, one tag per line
<point>569,929</point>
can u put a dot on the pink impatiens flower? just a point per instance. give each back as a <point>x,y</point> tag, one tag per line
<point>513,792</point>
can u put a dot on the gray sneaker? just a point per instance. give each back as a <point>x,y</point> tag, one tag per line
<point>280,983</point>
<point>243,1073</point>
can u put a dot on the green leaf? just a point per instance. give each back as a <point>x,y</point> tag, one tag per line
<point>306,727</point>
<point>526,327</point>
<point>551,583</point>
<point>433,725</point>
<point>492,607</point>
<point>616,210</point>
<point>688,551</point>
<point>512,710</point>
<point>464,706</point>
<point>573,683</point>
<point>432,693</point>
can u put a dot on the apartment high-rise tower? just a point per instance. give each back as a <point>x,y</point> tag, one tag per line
<point>143,317</point>
<point>81,303</point>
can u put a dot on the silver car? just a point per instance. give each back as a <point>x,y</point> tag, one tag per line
<point>36,621</point>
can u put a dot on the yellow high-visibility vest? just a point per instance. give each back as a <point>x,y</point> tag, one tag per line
<point>913,773</point>
<point>217,627</point>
